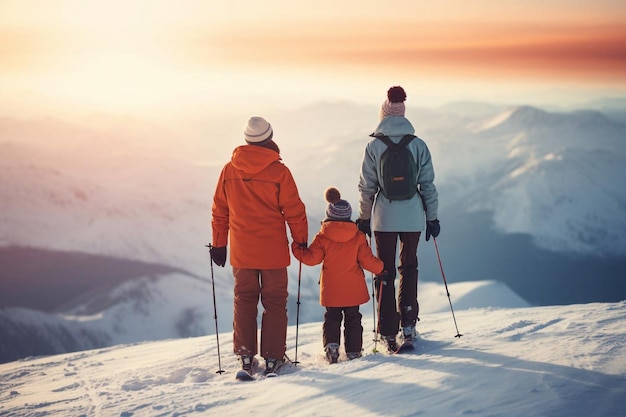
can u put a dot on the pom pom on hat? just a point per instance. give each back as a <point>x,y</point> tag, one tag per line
<point>332,195</point>
<point>257,130</point>
<point>396,94</point>
<point>337,209</point>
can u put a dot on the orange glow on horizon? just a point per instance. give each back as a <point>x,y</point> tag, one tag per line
<point>584,53</point>
<point>148,53</point>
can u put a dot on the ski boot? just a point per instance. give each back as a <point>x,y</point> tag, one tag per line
<point>247,362</point>
<point>272,365</point>
<point>408,335</point>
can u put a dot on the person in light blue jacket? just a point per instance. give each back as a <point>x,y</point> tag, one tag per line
<point>402,220</point>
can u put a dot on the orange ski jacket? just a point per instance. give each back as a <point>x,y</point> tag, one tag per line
<point>255,196</point>
<point>344,252</point>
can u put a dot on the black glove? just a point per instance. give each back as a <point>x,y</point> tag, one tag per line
<point>382,277</point>
<point>364,226</point>
<point>432,229</point>
<point>218,255</point>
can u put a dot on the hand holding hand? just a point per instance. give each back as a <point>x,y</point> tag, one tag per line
<point>364,226</point>
<point>297,248</point>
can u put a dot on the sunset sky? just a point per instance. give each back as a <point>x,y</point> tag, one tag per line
<point>156,55</point>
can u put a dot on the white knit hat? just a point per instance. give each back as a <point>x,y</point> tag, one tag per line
<point>257,130</point>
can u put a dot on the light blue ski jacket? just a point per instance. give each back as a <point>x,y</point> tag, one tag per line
<point>397,216</point>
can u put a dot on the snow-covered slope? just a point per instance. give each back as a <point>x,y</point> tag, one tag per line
<point>566,361</point>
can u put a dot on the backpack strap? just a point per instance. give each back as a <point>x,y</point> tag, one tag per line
<point>406,139</point>
<point>387,141</point>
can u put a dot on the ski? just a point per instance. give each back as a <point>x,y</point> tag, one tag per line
<point>409,335</point>
<point>248,376</point>
<point>406,347</point>
<point>243,375</point>
<point>396,348</point>
<point>402,348</point>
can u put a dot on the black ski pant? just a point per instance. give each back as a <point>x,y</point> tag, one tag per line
<point>405,311</point>
<point>353,329</point>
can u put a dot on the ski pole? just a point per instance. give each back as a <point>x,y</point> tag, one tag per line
<point>217,333</point>
<point>374,310</point>
<point>295,362</point>
<point>446,285</point>
<point>369,239</point>
<point>377,331</point>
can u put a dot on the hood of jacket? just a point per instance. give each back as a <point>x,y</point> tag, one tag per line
<point>253,159</point>
<point>339,231</point>
<point>394,126</point>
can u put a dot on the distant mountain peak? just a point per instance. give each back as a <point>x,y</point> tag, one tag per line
<point>529,117</point>
<point>526,116</point>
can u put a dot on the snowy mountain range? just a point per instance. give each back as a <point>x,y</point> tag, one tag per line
<point>561,180</point>
<point>177,306</point>
<point>528,198</point>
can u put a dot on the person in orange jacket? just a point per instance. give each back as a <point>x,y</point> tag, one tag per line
<point>255,199</point>
<point>344,252</point>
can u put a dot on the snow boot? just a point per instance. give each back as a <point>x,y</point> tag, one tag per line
<point>332,352</point>
<point>390,342</point>
<point>353,355</point>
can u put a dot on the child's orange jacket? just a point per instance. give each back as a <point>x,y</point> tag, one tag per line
<point>344,251</point>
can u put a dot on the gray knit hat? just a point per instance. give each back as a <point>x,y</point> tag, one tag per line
<point>337,209</point>
<point>257,130</point>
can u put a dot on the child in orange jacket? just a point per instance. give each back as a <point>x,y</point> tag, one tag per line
<point>345,252</point>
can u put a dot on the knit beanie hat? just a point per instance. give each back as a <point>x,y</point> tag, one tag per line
<point>394,105</point>
<point>337,209</point>
<point>257,130</point>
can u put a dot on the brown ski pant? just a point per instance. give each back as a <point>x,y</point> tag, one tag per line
<point>270,286</point>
